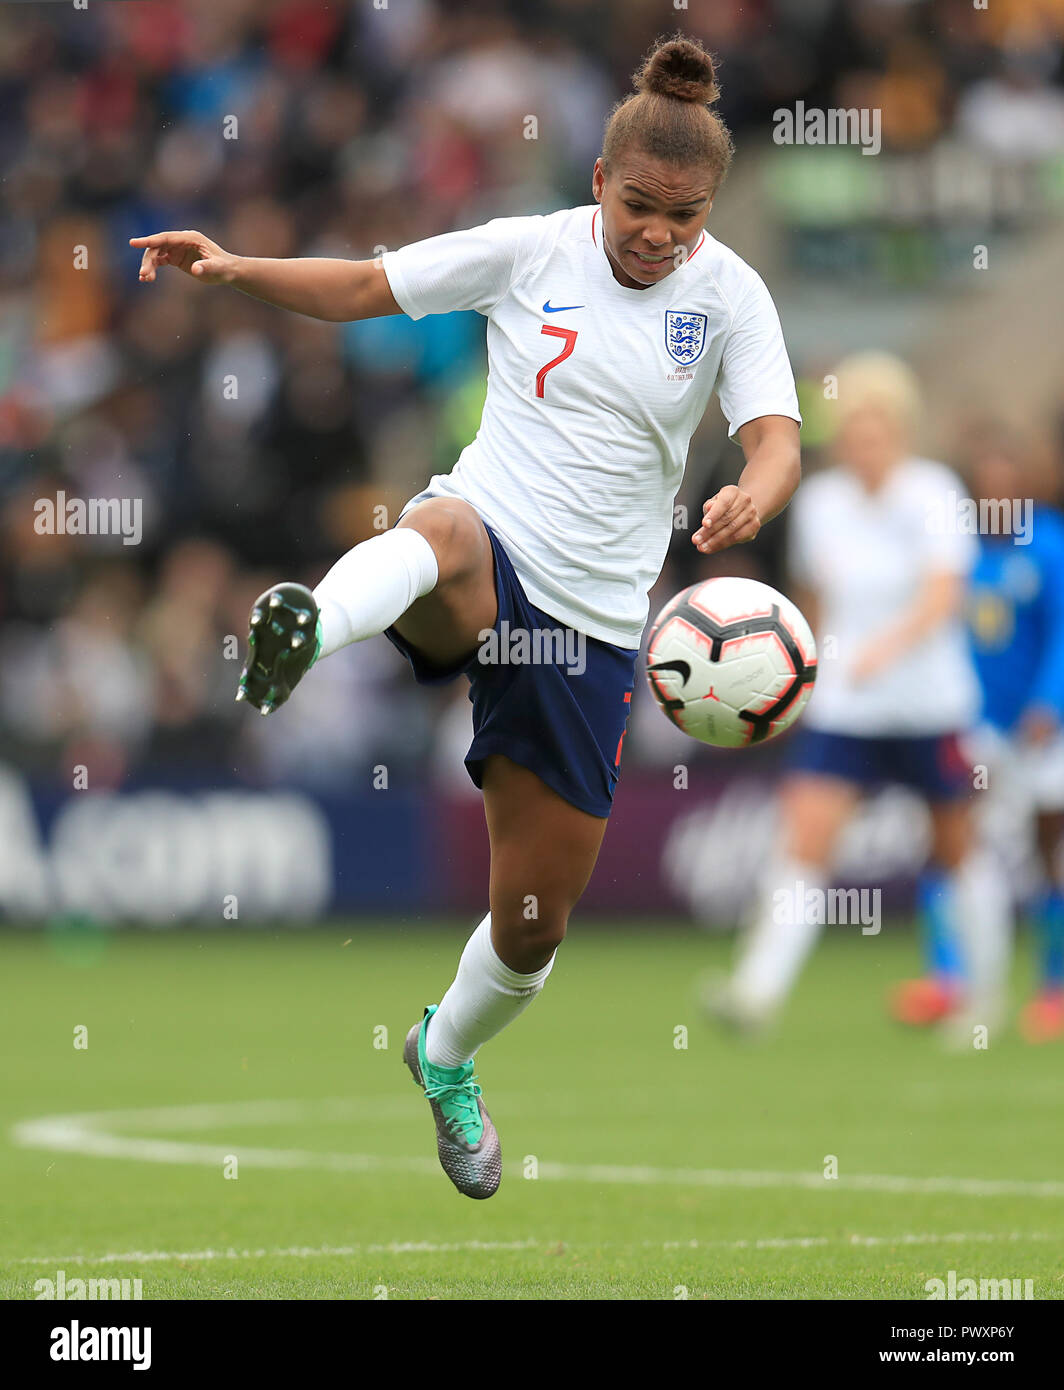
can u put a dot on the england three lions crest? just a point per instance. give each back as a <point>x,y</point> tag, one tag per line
<point>685,336</point>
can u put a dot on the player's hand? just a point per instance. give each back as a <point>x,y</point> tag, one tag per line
<point>728,518</point>
<point>191,252</point>
<point>1039,725</point>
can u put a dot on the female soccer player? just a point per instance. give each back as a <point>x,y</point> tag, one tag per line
<point>608,328</point>
<point>880,561</point>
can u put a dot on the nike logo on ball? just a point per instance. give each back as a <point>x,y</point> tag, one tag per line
<point>549,308</point>
<point>682,669</point>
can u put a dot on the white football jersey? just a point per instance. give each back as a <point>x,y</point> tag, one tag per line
<point>594,391</point>
<point>865,555</point>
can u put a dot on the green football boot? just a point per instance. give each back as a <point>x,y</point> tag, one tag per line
<point>465,1136</point>
<point>284,639</point>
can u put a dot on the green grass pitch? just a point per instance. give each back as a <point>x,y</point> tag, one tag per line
<point>634,1167</point>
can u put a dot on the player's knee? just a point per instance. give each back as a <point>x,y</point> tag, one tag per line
<point>528,937</point>
<point>949,856</point>
<point>455,532</point>
<point>951,839</point>
<point>809,844</point>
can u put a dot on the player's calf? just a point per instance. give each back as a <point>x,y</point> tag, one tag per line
<point>445,624</point>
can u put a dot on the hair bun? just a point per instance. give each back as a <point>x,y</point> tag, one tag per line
<point>679,68</point>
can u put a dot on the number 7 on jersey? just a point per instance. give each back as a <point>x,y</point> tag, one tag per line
<point>553,331</point>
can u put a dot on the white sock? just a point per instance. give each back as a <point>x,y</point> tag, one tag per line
<point>984,928</point>
<point>372,585</point>
<point>485,997</point>
<point>780,937</point>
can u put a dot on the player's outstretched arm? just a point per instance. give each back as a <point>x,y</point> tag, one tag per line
<point>767,483</point>
<point>335,290</point>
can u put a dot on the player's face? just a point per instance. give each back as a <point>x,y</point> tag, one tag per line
<point>652,216</point>
<point>996,475</point>
<point>869,443</point>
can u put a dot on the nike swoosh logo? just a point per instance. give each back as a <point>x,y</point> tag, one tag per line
<point>681,667</point>
<point>549,308</point>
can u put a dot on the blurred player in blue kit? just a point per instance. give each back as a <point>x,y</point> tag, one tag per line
<point>1016,627</point>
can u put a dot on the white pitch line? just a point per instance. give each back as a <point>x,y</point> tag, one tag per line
<point>294,1252</point>
<point>417,1247</point>
<point>92,1133</point>
<point>739,1177</point>
<point>907,1238</point>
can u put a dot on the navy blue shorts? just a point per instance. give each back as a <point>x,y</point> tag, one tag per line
<point>545,696</point>
<point>935,766</point>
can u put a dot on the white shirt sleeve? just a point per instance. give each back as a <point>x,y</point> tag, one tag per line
<point>755,376</point>
<point>461,270</point>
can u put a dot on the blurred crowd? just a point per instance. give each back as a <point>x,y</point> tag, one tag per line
<point>261,444</point>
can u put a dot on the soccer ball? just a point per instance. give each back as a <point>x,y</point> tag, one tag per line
<point>731,662</point>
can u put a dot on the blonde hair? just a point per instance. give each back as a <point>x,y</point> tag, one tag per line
<point>879,381</point>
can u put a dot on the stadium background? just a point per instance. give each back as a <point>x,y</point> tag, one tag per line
<point>357,128</point>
